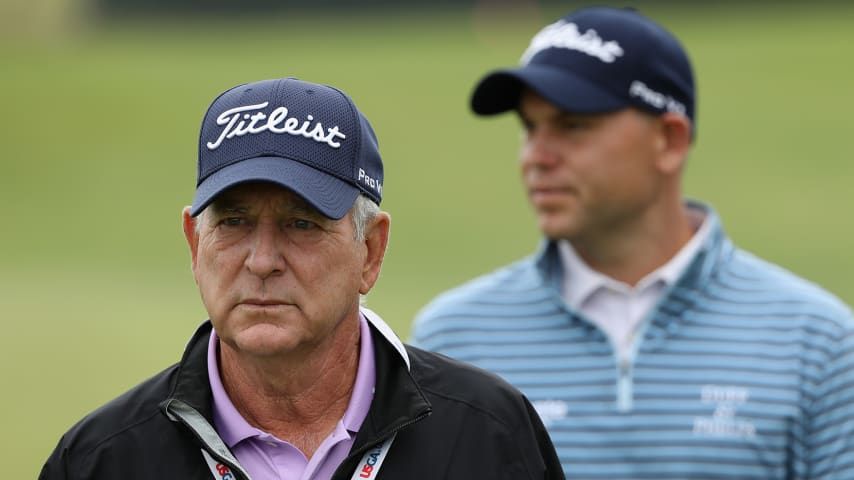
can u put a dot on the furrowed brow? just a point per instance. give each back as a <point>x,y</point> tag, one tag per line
<point>303,208</point>
<point>227,205</point>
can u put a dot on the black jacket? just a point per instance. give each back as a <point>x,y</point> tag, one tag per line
<point>452,421</point>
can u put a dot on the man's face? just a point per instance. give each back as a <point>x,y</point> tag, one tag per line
<point>587,175</point>
<point>275,275</point>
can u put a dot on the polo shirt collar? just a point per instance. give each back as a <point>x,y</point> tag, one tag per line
<point>233,428</point>
<point>580,281</point>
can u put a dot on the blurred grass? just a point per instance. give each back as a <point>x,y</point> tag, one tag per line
<point>99,135</point>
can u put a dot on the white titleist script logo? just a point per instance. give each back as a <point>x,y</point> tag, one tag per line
<point>566,35</point>
<point>658,100</point>
<point>238,122</point>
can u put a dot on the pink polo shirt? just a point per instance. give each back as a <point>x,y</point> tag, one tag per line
<point>263,455</point>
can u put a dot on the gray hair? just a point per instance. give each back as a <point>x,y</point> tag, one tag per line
<point>363,211</point>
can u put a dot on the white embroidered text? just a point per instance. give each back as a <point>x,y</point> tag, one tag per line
<point>655,99</point>
<point>724,421</point>
<point>370,182</point>
<point>239,121</point>
<point>566,35</point>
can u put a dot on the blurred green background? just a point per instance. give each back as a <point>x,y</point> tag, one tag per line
<point>100,117</point>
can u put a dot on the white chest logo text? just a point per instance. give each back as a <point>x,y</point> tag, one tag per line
<point>239,121</point>
<point>551,410</point>
<point>566,35</point>
<point>724,421</point>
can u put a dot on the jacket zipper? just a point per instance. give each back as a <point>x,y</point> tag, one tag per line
<point>184,417</point>
<point>368,446</point>
<point>185,413</point>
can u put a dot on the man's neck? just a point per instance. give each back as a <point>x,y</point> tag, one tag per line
<point>630,254</point>
<point>299,400</point>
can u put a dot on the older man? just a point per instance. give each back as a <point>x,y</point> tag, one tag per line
<point>291,378</point>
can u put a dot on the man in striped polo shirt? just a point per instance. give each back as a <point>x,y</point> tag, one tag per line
<point>651,346</point>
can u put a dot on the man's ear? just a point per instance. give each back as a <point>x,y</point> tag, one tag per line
<point>192,236</point>
<point>376,241</point>
<point>675,141</point>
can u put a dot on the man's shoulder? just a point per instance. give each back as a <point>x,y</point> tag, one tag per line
<point>751,277</point>
<point>517,282</point>
<point>130,413</point>
<point>460,385</point>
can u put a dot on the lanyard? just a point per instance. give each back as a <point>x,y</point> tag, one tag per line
<point>219,470</point>
<point>367,469</point>
<point>371,462</point>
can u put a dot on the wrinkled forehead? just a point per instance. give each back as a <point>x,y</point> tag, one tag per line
<point>257,196</point>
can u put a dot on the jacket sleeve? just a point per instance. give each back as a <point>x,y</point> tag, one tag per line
<point>553,468</point>
<point>55,468</point>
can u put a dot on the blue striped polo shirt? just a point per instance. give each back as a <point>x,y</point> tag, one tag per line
<point>742,370</point>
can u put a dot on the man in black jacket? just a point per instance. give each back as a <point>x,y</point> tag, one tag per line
<point>291,378</point>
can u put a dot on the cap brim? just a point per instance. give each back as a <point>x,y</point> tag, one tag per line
<point>328,194</point>
<point>499,91</point>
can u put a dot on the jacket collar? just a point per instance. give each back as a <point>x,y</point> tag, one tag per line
<point>398,400</point>
<point>191,383</point>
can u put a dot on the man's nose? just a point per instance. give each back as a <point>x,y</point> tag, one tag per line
<point>539,150</point>
<point>266,256</point>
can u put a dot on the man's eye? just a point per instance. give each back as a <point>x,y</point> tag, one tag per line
<point>572,124</point>
<point>233,221</point>
<point>303,224</point>
<point>527,126</point>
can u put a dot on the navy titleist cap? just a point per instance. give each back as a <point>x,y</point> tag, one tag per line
<point>306,137</point>
<point>596,60</point>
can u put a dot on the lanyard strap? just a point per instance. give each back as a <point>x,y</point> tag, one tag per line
<point>367,469</point>
<point>220,471</point>
<point>371,462</point>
